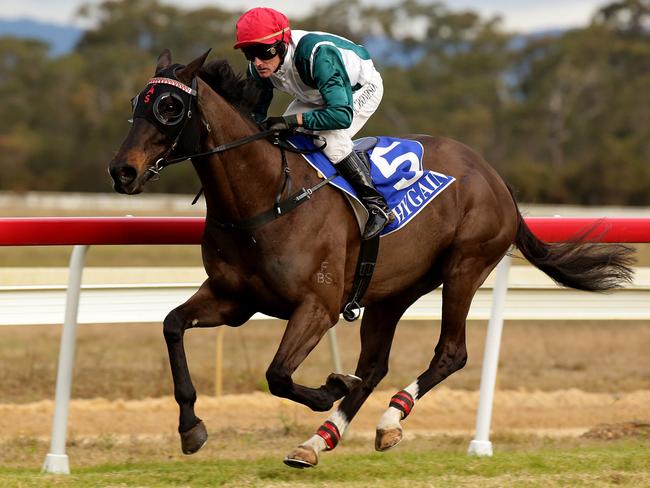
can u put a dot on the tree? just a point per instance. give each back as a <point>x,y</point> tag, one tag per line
<point>563,117</point>
<point>581,132</point>
<point>21,90</point>
<point>630,17</point>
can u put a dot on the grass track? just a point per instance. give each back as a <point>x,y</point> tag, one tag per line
<point>620,463</point>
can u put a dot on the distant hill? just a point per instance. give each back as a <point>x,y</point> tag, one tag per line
<point>61,38</point>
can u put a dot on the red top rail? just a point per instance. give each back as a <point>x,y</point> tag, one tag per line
<point>51,231</point>
<point>609,229</point>
<point>48,231</point>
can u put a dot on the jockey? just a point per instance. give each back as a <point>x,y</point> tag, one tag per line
<point>335,86</point>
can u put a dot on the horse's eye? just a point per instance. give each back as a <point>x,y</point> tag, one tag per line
<point>169,108</point>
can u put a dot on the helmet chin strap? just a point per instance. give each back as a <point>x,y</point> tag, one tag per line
<point>284,49</point>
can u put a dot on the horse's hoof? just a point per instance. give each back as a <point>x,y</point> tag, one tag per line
<point>194,439</point>
<point>387,438</point>
<point>302,457</point>
<point>342,383</point>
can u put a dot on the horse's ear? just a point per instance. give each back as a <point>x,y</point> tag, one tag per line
<point>188,73</point>
<point>164,60</point>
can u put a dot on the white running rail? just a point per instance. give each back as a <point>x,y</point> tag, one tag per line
<point>148,295</point>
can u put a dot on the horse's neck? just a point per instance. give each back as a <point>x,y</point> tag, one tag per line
<point>239,182</point>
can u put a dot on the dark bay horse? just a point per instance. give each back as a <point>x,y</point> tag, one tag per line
<point>273,268</point>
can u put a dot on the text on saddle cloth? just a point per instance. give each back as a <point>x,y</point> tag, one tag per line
<point>396,169</point>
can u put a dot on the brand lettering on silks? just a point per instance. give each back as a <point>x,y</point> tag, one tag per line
<point>367,94</point>
<point>397,172</point>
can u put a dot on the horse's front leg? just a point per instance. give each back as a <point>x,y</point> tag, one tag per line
<point>203,309</point>
<point>308,323</point>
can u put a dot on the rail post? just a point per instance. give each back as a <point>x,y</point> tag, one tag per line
<point>481,445</point>
<point>334,347</point>
<point>56,460</point>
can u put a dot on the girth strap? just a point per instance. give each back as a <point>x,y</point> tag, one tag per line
<point>277,210</point>
<point>368,251</point>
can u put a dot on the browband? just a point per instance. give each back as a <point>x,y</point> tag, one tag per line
<point>176,83</point>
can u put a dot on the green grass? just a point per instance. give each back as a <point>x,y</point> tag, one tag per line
<point>624,463</point>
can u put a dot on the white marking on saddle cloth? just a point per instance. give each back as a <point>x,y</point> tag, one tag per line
<point>389,168</point>
<point>391,417</point>
<point>317,443</point>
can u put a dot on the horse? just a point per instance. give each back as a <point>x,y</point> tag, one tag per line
<point>272,265</point>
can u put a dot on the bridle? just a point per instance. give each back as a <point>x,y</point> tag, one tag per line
<point>182,125</point>
<point>179,123</point>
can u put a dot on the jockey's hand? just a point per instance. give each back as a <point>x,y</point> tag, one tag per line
<point>286,122</point>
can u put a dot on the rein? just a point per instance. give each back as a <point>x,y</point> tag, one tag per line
<point>265,134</point>
<point>280,206</point>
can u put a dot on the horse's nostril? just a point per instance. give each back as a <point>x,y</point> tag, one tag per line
<point>125,174</point>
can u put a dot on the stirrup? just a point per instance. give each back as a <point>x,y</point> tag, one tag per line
<point>389,216</point>
<point>375,212</point>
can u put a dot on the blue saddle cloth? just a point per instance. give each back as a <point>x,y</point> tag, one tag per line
<point>396,169</point>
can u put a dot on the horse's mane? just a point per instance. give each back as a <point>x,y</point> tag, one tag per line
<point>235,88</point>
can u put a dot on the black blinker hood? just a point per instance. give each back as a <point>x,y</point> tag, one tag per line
<point>184,135</point>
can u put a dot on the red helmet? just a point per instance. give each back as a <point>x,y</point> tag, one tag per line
<point>262,25</point>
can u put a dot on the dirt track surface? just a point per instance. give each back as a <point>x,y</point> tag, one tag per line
<point>561,378</point>
<point>566,412</point>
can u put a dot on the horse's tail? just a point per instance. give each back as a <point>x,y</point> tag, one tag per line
<point>577,263</point>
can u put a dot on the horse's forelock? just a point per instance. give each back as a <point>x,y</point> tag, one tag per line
<point>233,87</point>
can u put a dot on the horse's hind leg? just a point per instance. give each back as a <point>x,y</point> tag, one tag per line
<point>462,277</point>
<point>377,332</point>
<point>203,309</point>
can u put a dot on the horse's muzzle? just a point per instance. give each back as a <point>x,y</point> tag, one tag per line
<point>125,179</point>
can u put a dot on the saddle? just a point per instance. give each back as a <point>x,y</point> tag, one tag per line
<point>363,147</point>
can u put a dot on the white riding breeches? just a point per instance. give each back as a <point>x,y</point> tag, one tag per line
<point>339,142</point>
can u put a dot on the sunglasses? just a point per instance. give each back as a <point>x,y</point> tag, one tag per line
<point>260,51</point>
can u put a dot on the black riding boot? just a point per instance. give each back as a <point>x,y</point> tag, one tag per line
<point>353,169</point>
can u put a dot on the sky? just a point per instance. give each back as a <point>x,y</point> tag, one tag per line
<point>518,15</point>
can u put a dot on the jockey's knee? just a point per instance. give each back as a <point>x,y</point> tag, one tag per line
<point>339,145</point>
